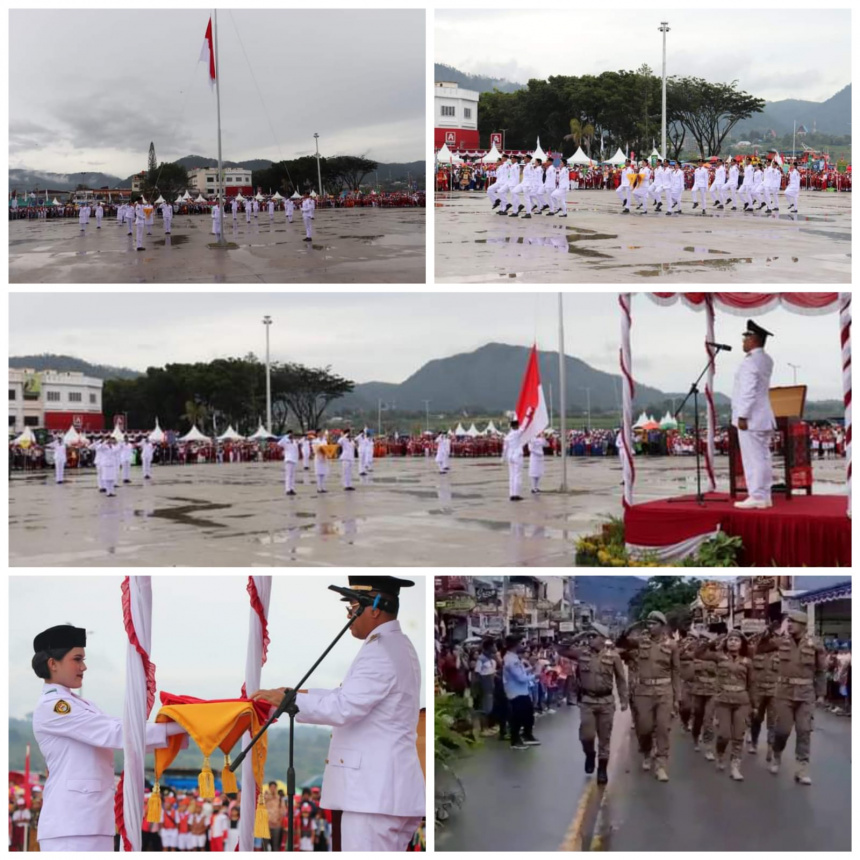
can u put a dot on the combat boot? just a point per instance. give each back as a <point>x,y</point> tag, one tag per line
<point>774,765</point>
<point>752,748</point>
<point>709,755</point>
<point>721,761</point>
<point>735,772</point>
<point>802,776</point>
<point>588,749</point>
<point>646,763</point>
<point>769,757</point>
<point>602,776</point>
<point>661,774</point>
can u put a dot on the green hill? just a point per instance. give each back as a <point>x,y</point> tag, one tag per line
<point>481,83</point>
<point>70,364</point>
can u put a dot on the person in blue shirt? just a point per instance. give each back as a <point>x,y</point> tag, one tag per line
<point>517,679</point>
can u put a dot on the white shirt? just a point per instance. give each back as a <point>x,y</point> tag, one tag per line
<point>347,448</point>
<point>290,448</point>
<point>751,392</point>
<point>512,452</point>
<point>372,763</point>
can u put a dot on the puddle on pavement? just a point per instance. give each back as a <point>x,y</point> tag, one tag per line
<point>174,240</point>
<point>571,237</point>
<point>588,252</point>
<point>184,514</point>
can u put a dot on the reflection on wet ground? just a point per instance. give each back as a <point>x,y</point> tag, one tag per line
<point>404,514</point>
<point>379,246</point>
<point>596,244</point>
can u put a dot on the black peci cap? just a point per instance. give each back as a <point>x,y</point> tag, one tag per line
<point>62,636</point>
<point>389,585</point>
<point>763,333</point>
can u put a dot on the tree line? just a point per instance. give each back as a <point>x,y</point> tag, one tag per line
<point>226,391</point>
<point>617,109</point>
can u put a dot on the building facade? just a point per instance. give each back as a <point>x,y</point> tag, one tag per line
<point>204,180</point>
<point>54,400</point>
<point>456,116</point>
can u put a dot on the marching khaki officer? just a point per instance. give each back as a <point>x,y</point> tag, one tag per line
<point>686,657</point>
<point>734,683</point>
<point>765,672</point>
<point>628,645</point>
<point>801,679</point>
<point>600,672</point>
<point>657,692</point>
<point>704,691</point>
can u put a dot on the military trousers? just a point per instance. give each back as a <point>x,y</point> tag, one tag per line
<point>764,706</point>
<point>703,718</point>
<point>595,720</point>
<point>731,727</point>
<point>685,705</point>
<point>654,718</point>
<point>797,715</point>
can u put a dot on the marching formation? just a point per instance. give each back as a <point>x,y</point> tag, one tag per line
<point>540,184</point>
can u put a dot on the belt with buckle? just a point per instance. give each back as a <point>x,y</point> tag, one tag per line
<point>654,682</point>
<point>734,688</point>
<point>797,682</point>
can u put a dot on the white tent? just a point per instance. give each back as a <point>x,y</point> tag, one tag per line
<point>194,435</point>
<point>445,156</point>
<point>261,433</point>
<point>55,202</point>
<point>313,194</point>
<point>493,156</point>
<point>618,158</point>
<point>25,439</point>
<point>229,435</point>
<point>239,197</point>
<point>200,199</point>
<point>459,431</point>
<point>579,157</point>
<point>72,437</point>
<point>668,421</point>
<point>277,196</point>
<point>473,431</point>
<point>641,421</point>
<point>157,435</point>
<point>491,430</point>
<point>118,434</point>
<point>160,199</point>
<point>144,201</point>
<point>539,153</point>
<point>295,196</point>
<point>654,154</point>
<point>185,196</point>
<point>259,198</point>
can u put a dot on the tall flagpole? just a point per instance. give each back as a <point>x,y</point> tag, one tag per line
<point>562,394</point>
<point>221,240</point>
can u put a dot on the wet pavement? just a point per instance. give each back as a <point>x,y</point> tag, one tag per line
<point>702,810</point>
<point>349,246</point>
<point>404,514</point>
<point>597,244</point>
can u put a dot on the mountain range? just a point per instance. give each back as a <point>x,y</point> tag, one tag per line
<point>70,364</point>
<point>480,83</point>
<point>29,180</point>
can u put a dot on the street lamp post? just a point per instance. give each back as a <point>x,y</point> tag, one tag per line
<point>427,414</point>
<point>795,368</point>
<point>319,172</point>
<point>664,28</point>
<point>267,321</point>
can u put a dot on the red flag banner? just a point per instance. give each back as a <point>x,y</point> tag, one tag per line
<point>531,405</point>
<point>207,53</point>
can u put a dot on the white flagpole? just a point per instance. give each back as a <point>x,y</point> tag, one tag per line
<point>562,394</point>
<point>221,240</point>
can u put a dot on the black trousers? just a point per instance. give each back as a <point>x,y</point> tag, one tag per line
<point>522,718</point>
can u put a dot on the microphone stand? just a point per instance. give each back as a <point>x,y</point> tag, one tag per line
<point>694,392</point>
<point>288,705</point>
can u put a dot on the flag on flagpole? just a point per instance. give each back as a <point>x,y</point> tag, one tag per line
<point>531,405</point>
<point>207,53</point>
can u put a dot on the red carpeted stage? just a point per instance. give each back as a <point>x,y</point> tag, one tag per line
<point>808,531</point>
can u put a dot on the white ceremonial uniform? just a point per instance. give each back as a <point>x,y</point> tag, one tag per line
<point>347,458</point>
<point>129,217</point>
<point>700,186</point>
<point>774,186</point>
<point>234,206</point>
<point>715,192</point>
<point>758,187</point>
<point>442,453</point>
<point>320,463</point>
<point>216,220</point>
<point>745,192</point>
<point>291,459</point>
<point>536,461</point>
<point>751,400</point>
<point>494,189</point>
<point>792,190</point>
<point>256,207</point>
<point>731,188</point>
<point>624,190</point>
<point>521,187</point>
<point>77,741</point>
<point>512,454</point>
<point>548,188</point>
<point>146,454</point>
<point>248,211</point>
<point>167,215</point>
<point>100,213</point>
<point>676,189</point>
<point>120,213</point>
<point>110,467</point>
<point>306,452</point>
<point>559,196</point>
<point>150,218</point>
<point>289,208</point>
<point>82,218</point>
<point>271,209</point>
<point>643,188</point>
<point>125,455</point>
<point>59,460</point>
<point>139,224</point>
<point>372,770</point>
<point>307,215</point>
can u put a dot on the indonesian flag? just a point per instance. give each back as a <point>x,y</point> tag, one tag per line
<point>531,406</point>
<point>207,53</point>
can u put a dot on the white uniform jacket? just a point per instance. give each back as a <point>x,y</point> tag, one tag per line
<point>77,741</point>
<point>372,763</point>
<point>750,395</point>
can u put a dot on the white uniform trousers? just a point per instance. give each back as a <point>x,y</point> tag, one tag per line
<point>289,476</point>
<point>791,196</point>
<point>641,195</point>
<point>347,473</point>
<point>147,468</point>
<point>126,471</point>
<point>745,193</point>
<point>730,192</point>
<point>168,222</point>
<point>494,191</point>
<point>623,191</point>
<point>560,199</point>
<point>368,831</point>
<point>59,469</point>
<point>655,190</point>
<point>307,219</point>
<point>515,478</point>
<point>139,234</point>
<point>321,472</point>
<point>699,195</point>
<point>130,221</point>
<point>522,188</point>
<point>714,191</point>
<point>77,843</point>
<point>757,462</point>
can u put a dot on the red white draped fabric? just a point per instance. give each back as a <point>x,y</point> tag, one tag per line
<point>740,304</point>
<point>207,54</point>
<point>139,698</point>
<point>710,445</point>
<point>259,591</point>
<point>531,405</point>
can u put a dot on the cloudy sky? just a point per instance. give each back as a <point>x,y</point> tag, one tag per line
<point>808,55</point>
<point>199,633</point>
<point>117,80</point>
<point>388,336</point>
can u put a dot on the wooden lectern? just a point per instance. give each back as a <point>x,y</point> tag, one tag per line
<point>788,403</point>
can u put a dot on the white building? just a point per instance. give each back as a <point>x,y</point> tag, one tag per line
<point>54,400</point>
<point>205,180</point>
<point>455,116</point>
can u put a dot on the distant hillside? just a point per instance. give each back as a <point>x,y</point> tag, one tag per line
<point>31,180</point>
<point>829,117</point>
<point>70,364</point>
<point>481,83</point>
<point>608,593</point>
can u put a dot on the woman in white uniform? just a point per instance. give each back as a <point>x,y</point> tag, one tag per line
<point>77,741</point>
<point>536,455</point>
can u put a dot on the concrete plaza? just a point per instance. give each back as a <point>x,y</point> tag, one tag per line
<point>597,244</point>
<point>363,245</point>
<point>404,514</point>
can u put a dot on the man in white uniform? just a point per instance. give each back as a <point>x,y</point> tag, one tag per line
<point>320,461</point>
<point>234,206</point>
<point>730,192</point>
<point>307,216</point>
<point>347,458</point>
<point>674,181</point>
<point>625,189</point>
<point>110,466</point>
<point>746,186</point>
<point>700,185</point>
<point>306,452</point>
<point>494,190</point>
<point>373,773</point>
<point>167,215</point>
<point>548,188</point>
<point>753,417</point>
<point>536,455</point>
<point>559,196</point>
<point>59,459</point>
<point>792,190</point>
<point>291,459</point>
<point>443,452</point>
<point>100,213</point>
<point>289,208</point>
<point>522,187</point>
<point>248,211</point>
<point>139,224</point>
<point>147,452</point>
<point>271,210</point>
<point>125,451</point>
<point>716,191</point>
<point>512,454</point>
<point>216,220</point>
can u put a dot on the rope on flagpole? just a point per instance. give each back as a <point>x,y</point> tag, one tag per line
<point>845,337</point>
<point>627,393</point>
<point>710,445</point>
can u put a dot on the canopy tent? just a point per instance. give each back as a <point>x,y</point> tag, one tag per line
<point>654,154</point>
<point>444,155</point>
<point>239,197</point>
<point>200,199</point>
<point>618,158</point>
<point>229,435</point>
<point>262,433</point>
<point>55,202</point>
<point>459,430</point>
<point>668,422</point>
<point>741,304</point>
<point>144,201</point>
<point>157,435</point>
<point>160,199</point>
<point>72,437</point>
<point>539,153</point>
<point>493,156</point>
<point>579,157</point>
<point>277,196</point>
<point>651,424</point>
<point>490,430</point>
<point>295,196</point>
<point>313,194</point>
<point>259,198</point>
<point>118,434</point>
<point>194,435</point>
<point>26,439</point>
<point>641,421</point>
<point>473,431</point>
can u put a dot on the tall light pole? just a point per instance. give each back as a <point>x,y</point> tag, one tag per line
<point>427,413</point>
<point>267,321</point>
<point>795,368</point>
<point>664,28</point>
<point>562,395</point>
<point>588,404</point>
<point>319,172</point>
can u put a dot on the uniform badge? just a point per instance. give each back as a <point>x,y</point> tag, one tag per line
<point>62,707</point>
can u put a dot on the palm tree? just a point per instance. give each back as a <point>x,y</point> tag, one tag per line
<point>580,133</point>
<point>195,413</point>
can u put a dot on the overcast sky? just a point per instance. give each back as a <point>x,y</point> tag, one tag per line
<point>199,633</point>
<point>388,336</point>
<point>89,89</point>
<point>808,53</point>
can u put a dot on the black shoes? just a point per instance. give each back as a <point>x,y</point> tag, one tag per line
<point>589,761</point>
<point>602,776</point>
<point>531,741</point>
<point>497,203</point>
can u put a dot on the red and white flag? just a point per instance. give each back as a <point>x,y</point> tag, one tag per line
<point>531,405</point>
<point>207,53</point>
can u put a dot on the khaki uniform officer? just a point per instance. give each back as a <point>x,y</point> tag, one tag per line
<point>77,741</point>
<point>372,772</point>
<point>765,673</point>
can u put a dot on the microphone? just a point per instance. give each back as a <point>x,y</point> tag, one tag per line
<point>366,600</point>
<point>723,346</point>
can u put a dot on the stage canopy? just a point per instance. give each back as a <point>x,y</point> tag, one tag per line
<point>261,433</point>
<point>579,157</point>
<point>618,158</point>
<point>492,157</point>
<point>194,435</point>
<point>230,435</point>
